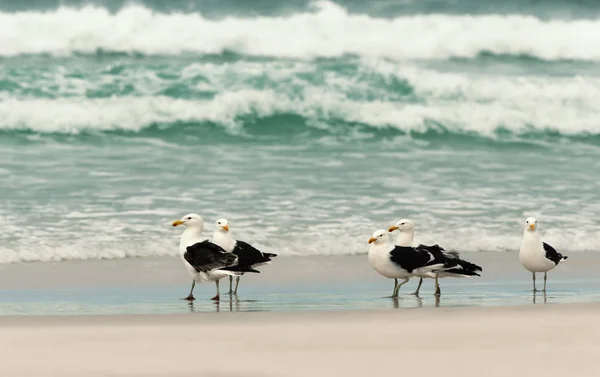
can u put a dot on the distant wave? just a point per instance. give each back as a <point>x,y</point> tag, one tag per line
<point>329,31</point>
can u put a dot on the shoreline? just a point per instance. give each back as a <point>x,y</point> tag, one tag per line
<point>303,284</point>
<point>169,270</point>
<point>267,317</point>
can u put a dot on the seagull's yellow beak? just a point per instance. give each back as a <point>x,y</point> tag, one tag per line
<point>392,228</point>
<point>226,227</point>
<point>532,226</point>
<point>177,222</point>
<point>372,239</point>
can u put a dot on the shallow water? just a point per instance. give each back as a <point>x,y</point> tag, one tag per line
<point>285,298</point>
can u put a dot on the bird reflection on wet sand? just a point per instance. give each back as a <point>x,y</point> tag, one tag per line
<point>535,296</point>
<point>231,305</point>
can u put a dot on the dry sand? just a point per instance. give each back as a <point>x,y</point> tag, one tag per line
<point>548,340</point>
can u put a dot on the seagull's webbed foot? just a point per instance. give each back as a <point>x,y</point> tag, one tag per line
<point>189,298</point>
<point>216,298</point>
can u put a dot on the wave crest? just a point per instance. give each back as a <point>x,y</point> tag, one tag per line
<point>329,31</point>
<point>251,113</point>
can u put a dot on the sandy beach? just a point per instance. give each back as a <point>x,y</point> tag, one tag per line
<point>510,341</point>
<point>312,316</point>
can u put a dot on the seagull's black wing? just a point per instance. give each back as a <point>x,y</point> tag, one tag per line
<point>439,255</point>
<point>206,256</point>
<point>410,258</point>
<point>248,254</point>
<point>552,254</point>
<point>452,261</point>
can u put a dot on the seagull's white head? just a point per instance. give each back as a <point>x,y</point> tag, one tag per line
<point>531,224</point>
<point>222,225</point>
<point>191,220</point>
<point>403,225</point>
<point>380,236</point>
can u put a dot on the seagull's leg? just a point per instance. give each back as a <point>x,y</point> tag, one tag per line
<point>437,287</point>
<point>237,282</point>
<point>397,288</point>
<point>230,284</point>
<point>416,293</point>
<point>190,297</point>
<point>216,298</point>
<point>545,277</point>
<point>393,290</point>
<point>534,290</point>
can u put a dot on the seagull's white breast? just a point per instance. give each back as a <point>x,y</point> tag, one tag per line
<point>379,258</point>
<point>532,254</point>
<point>224,240</point>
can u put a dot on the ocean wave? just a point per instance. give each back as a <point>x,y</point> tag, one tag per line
<point>328,31</point>
<point>248,113</point>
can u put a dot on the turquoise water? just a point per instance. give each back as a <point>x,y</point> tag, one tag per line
<point>308,125</point>
<point>277,298</point>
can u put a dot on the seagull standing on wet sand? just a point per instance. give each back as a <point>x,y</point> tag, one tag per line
<point>454,266</point>
<point>204,260</point>
<point>398,262</point>
<point>246,253</point>
<point>535,255</point>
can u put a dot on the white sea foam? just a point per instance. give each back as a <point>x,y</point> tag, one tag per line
<point>327,31</point>
<point>312,242</point>
<point>460,103</point>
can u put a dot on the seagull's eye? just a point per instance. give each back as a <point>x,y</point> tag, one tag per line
<point>189,218</point>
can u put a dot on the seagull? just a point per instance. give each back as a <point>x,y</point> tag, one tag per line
<point>246,253</point>
<point>204,260</point>
<point>535,255</point>
<point>398,262</point>
<point>454,266</point>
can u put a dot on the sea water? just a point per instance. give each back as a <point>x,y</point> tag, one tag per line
<point>308,125</point>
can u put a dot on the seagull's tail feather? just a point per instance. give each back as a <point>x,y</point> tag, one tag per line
<point>469,266</point>
<point>458,273</point>
<point>238,270</point>
<point>266,259</point>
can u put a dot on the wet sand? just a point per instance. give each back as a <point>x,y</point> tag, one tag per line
<point>155,286</point>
